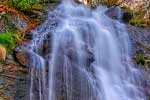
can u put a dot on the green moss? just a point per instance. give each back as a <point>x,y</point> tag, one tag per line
<point>140,59</point>
<point>29,4</point>
<point>7,40</point>
<point>22,4</point>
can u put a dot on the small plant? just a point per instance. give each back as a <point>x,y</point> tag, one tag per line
<point>140,59</point>
<point>7,40</point>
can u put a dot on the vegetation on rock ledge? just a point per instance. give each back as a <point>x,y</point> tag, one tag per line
<point>136,12</point>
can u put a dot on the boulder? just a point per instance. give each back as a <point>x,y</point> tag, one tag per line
<point>22,58</point>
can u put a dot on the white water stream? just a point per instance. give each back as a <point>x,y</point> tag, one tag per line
<point>79,53</point>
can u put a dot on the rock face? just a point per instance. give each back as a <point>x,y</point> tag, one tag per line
<point>140,40</point>
<point>14,83</point>
<point>14,77</point>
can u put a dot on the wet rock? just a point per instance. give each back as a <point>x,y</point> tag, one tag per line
<point>71,53</point>
<point>22,88</point>
<point>115,12</point>
<point>10,57</point>
<point>22,57</point>
<point>13,82</point>
<point>28,35</point>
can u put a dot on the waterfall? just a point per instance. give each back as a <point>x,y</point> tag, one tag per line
<point>79,53</point>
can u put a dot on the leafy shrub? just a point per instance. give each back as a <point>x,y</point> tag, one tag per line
<point>7,40</point>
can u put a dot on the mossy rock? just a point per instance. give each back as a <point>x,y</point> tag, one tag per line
<point>22,4</point>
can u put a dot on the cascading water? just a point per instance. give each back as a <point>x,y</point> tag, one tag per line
<point>81,54</point>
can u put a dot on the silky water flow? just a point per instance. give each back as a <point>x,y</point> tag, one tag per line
<point>80,53</point>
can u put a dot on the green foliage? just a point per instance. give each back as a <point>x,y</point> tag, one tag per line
<point>7,40</point>
<point>22,4</point>
<point>140,59</point>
